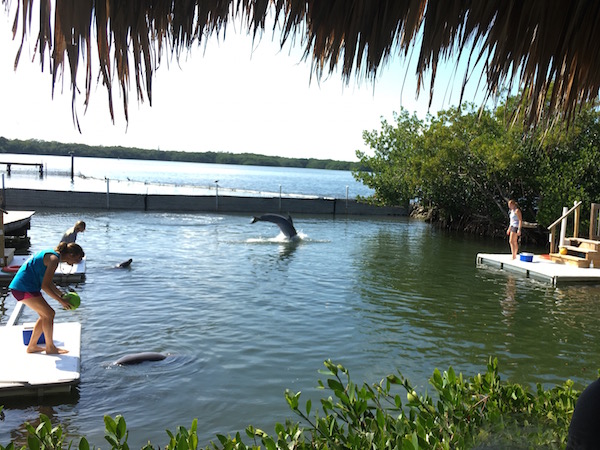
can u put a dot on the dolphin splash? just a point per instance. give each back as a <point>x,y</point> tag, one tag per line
<point>285,224</point>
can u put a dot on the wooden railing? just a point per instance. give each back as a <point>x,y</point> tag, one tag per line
<point>577,208</point>
<point>595,222</point>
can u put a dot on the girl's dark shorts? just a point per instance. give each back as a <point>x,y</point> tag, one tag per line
<point>20,295</point>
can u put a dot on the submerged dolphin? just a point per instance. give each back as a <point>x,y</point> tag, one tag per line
<point>285,224</point>
<point>137,358</point>
<point>124,264</point>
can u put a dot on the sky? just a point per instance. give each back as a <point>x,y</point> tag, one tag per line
<point>231,96</point>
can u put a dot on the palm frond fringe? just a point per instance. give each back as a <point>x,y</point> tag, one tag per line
<point>547,48</point>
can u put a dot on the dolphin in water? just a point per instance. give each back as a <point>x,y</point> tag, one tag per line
<point>137,358</point>
<point>124,264</point>
<point>285,224</point>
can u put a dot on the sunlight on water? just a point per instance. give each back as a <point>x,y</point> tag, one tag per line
<point>243,314</point>
<point>169,177</point>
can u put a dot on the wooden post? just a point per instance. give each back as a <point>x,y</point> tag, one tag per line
<point>563,227</point>
<point>72,165</point>
<point>4,260</point>
<point>576,221</point>
<point>107,194</point>
<point>552,237</point>
<point>594,210</point>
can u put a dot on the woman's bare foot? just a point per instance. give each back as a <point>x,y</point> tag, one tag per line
<point>35,349</point>
<point>55,351</point>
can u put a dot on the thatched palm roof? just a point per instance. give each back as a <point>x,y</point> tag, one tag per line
<point>531,44</point>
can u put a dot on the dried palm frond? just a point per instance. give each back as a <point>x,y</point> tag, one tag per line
<point>547,48</point>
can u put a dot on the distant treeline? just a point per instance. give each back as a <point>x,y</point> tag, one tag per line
<point>35,147</point>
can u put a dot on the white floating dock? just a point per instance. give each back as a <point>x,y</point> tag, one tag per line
<point>65,273</point>
<point>38,374</point>
<point>541,269</point>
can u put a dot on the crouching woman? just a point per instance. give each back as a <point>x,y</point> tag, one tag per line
<point>35,275</point>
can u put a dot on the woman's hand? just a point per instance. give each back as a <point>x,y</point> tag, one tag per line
<point>65,304</point>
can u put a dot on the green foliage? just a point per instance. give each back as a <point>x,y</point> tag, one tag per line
<point>466,163</point>
<point>36,147</point>
<point>569,161</point>
<point>184,439</point>
<point>388,170</point>
<point>116,432</point>
<point>460,414</point>
<point>46,437</point>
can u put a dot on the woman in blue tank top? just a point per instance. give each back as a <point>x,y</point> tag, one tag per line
<point>36,275</point>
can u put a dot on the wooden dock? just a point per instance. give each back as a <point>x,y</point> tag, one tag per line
<point>40,166</point>
<point>541,269</point>
<point>38,374</point>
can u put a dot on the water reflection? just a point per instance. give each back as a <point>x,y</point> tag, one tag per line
<point>423,295</point>
<point>28,410</point>
<point>287,249</point>
<point>508,303</point>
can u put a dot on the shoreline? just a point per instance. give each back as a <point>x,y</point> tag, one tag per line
<point>38,198</point>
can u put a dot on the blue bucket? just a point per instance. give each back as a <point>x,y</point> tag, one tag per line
<point>527,257</point>
<point>27,337</point>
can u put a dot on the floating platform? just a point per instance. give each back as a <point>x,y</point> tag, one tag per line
<point>541,268</point>
<point>65,273</point>
<point>38,374</point>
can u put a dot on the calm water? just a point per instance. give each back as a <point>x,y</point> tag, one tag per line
<point>245,316</point>
<point>166,177</point>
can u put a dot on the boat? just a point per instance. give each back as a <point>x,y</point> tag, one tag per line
<point>25,374</point>
<point>16,223</point>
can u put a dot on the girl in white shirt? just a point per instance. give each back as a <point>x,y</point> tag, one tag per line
<point>514,228</point>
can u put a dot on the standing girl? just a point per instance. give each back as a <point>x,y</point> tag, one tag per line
<point>514,228</point>
<point>36,275</point>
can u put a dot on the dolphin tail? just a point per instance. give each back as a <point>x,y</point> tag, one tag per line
<point>254,219</point>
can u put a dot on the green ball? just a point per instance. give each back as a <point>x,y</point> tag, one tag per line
<point>73,298</point>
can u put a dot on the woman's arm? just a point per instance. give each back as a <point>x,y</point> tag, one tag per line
<point>51,262</point>
<point>520,217</point>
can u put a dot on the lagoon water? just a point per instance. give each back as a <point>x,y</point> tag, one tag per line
<point>245,315</point>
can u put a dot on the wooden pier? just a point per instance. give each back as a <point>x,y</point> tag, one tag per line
<point>9,165</point>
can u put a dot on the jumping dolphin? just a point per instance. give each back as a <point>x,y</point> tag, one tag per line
<point>137,358</point>
<point>285,224</point>
<point>124,264</point>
